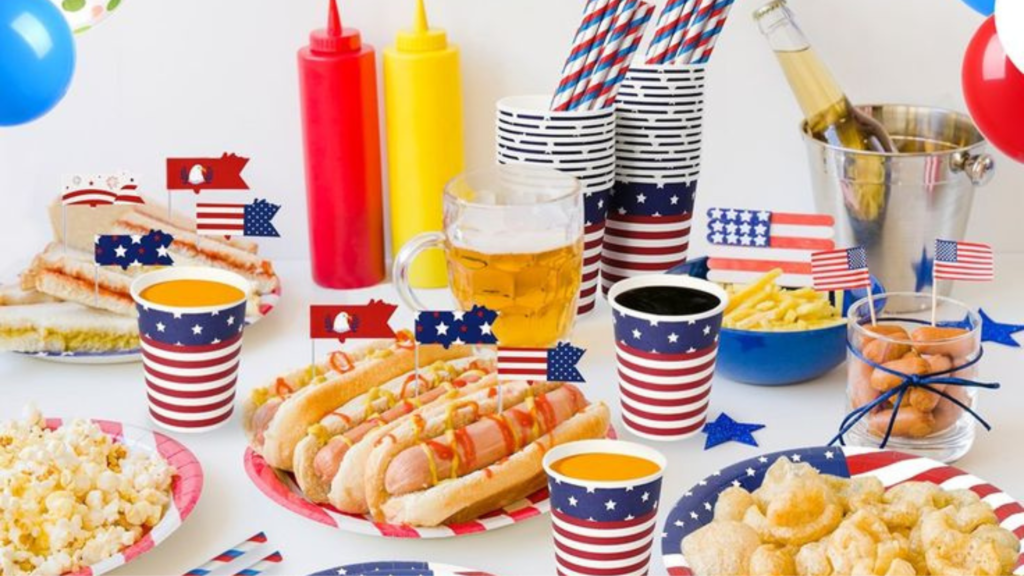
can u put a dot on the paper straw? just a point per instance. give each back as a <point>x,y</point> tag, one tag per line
<point>706,45</point>
<point>594,12</point>
<point>603,31</point>
<point>667,23</point>
<point>261,566</point>
<point>621,29</point>
<point>694,31</point>
<point>676,42</point>
<point>230,555</point>
<point>611,88</point>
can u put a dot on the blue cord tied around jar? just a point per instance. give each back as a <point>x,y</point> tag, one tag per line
<point>909,382</point>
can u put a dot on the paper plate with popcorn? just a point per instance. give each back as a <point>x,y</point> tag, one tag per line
<point>108,492</point>
<point>843,511</point>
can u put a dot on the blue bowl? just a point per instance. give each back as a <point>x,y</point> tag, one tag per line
<point>778,358</point>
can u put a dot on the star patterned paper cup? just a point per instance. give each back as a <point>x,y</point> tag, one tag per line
<point>580,143</point>
<point>659,131</point>
<point>190,355</point>
<point>665,363</point>
<point>604,528</point>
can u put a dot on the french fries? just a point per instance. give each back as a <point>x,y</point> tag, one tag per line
<point>765,307</point>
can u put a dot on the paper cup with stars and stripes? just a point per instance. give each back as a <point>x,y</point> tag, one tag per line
<point>604,527</point>
<point>191,349</point>
<point>579,143</point>
<point>666,346</point>
<point>659,132</point>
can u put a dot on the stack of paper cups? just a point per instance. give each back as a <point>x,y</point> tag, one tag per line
<point>581,144</point>
<point>658,146</point>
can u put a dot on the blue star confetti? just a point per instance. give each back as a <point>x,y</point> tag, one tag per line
<point>725,429</point>
<point>449,328</point>
<point>999,333</point>
<point>923,271</point>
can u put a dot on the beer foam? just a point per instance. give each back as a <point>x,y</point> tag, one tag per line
<point>512,241</point>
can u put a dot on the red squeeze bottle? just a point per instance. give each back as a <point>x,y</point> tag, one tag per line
<point>338,83</point>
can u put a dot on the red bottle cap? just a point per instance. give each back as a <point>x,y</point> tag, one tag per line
<point>335,38</point>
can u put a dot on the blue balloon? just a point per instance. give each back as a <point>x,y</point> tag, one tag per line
<point>985,7</point>
<point>37,59</point>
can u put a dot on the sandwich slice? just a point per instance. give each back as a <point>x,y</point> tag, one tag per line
<point>65,327</point>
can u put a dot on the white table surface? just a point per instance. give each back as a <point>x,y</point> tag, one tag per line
<point>232,508</point>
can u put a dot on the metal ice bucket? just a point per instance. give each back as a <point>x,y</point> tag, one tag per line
<point>896,205</point>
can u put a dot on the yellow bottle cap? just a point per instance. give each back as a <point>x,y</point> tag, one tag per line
<point>422,38</point>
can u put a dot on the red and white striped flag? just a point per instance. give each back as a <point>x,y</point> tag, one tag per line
<point>845,269</point>
<point>964,261</point>
<point>746,244</point>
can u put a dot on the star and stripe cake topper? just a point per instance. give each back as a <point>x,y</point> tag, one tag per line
<point>126,251</point>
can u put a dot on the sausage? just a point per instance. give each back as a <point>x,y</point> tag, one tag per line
<point>328,459</point>
<point>884,381</point>
<point>947,413</point>
<point>861,392</point>
<point>886,330</point>
<point>948,341</point>
<point>262,417</point>
<point>482,443</point>
<point>880,351</point>
<point>910,423</point>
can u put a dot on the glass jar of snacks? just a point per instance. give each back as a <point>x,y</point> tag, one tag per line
<point>910,375</point>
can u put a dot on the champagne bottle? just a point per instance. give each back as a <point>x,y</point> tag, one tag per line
<point>830,116</point>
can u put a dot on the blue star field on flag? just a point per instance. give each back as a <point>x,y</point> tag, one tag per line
<point>729,227</point>
<point>134,250</point>
<point>562,361</point>
<point>449,328</point>
<point>725,429</point>
<point>258,216</point>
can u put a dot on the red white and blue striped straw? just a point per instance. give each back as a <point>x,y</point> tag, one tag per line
<point>709,38</point>
<point>667,23</point>
<point>620,32</point>
<point>678,35</point>
<point>584,43</point>
<point>603,32</point>
<point>694,31</point>
<point>262,566</point>
<point>230,555</point>
<point>610,92</point>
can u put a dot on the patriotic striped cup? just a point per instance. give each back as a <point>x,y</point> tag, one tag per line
<point>604,524</point>
<point>190,353</point>
<point>666,347</point>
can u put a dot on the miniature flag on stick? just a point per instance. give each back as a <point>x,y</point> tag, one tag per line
<point>198,174</point>
<point>845,269</point>
<point>456,328</point>
<point>237,219</point>
<point>556,364</point>
<point>134,250</point>
<point>344,322</point>
<point>968,261</point>
<point>745,244</point>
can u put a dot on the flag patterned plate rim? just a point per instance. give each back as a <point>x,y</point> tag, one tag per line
<point>281,487</point>
<point>400,568</point>
<point>185,489</point>
<point>694,508</point>
<point>268,302</point>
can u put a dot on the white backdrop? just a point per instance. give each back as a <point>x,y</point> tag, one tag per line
<point>198,77</point>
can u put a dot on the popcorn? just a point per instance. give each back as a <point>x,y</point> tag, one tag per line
<point>73,497</point>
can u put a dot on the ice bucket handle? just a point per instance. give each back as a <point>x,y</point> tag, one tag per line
<point>979,168</point>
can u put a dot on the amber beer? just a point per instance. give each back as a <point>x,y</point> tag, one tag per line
<point>533,292</point>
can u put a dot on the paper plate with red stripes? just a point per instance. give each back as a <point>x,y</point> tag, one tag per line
<point>281,487</point>
<point>268,302</point>
<point>185,490</point>
<point>696,507</point>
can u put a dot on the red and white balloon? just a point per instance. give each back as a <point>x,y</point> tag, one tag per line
<point>994,89</point>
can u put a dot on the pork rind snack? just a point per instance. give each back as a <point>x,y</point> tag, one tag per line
<point>802,523</point>
<point>72,497</point>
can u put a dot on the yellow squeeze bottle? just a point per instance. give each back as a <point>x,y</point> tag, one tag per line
<point>423,105</point>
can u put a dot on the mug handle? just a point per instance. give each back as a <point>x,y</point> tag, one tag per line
<point>403,263</point>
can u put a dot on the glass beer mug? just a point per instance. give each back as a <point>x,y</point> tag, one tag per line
<point>513,240</point>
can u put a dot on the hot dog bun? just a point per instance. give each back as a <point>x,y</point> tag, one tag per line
<point>314,398</point>
<point>371,409</point>
<point>481,491</point>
